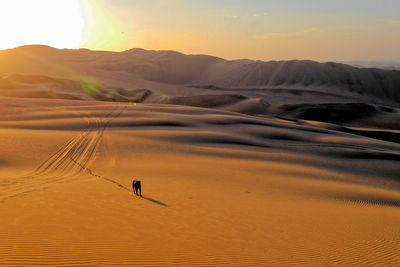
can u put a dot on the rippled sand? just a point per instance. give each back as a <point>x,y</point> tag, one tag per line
<point>219,188</point>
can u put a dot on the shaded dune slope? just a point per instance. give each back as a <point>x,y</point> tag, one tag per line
<point>39,86</point>
<point>204,71</point>
<point>213,128</point>
<point>305,74</point>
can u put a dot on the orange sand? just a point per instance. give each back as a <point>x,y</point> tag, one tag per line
<point>220,189</point>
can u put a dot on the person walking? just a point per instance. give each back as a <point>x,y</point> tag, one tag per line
<point>137,187</point>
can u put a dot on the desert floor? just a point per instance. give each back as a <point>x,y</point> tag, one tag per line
<point>219,188</point>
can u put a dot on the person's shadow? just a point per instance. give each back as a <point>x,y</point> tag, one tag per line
<point>155,201</point>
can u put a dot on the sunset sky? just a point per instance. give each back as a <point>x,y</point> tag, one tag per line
<point>257,29</point>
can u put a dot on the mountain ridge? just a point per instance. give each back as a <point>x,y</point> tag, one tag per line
<point>175,68</point>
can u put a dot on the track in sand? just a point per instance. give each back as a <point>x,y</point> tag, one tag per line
<point>71,161</point>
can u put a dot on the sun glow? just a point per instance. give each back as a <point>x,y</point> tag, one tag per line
<point>57,23</point>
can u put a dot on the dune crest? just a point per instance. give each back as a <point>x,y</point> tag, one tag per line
<point>203,71</point>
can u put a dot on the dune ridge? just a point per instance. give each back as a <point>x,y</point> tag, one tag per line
<point>171,67</point>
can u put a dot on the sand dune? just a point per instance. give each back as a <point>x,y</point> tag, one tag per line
<point>131,69</point>
<point>288,103</point>
<point>305,74</point>
<point>242,163</point>
<point>220,188</point>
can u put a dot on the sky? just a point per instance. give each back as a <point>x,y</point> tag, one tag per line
<point>322,30</point>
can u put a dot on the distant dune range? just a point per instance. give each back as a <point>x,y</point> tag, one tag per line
<point>242,163</point>
<point>245,86</point>
<point>206,71</point>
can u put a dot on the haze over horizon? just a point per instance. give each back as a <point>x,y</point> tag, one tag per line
<point>265,30</point>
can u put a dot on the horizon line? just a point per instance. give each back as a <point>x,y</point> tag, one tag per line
<point>203,54</point>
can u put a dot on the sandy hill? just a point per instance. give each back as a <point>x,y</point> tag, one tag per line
<point>242,163</point>
<point>169,67</point>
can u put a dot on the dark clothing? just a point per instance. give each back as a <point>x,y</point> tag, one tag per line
<point>137,187</point>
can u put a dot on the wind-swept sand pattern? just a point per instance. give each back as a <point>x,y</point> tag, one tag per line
<point>220,188</point>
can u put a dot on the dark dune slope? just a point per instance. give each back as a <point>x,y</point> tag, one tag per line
<point>200,70</point>
<point>306,74</point>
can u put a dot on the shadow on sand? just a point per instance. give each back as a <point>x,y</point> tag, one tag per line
<point>117,184</point>
<point>370,200</point>
<point>127,189</point>
<point>155,201</point>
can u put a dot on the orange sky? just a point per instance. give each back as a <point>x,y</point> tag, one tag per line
<point>257,29</point>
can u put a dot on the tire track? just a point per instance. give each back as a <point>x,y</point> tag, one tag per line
<point>82,149</point>
<point>68,162</point>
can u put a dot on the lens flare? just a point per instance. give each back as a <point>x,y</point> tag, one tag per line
<point>90,85</point>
